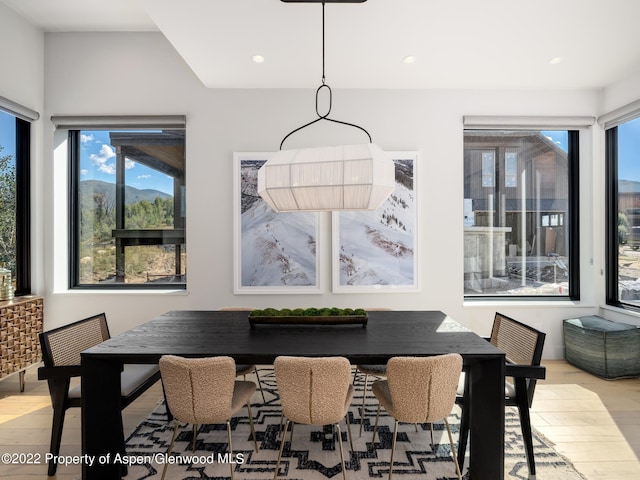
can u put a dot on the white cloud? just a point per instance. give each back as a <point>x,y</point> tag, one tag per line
<point>109,168</point>
<point>557,142</point>
<point>106,152</point>
<point>143,177</point>
<point>86,139</point>
<point>100,160</point>
<point>84,171</point>
<point>129,164</point>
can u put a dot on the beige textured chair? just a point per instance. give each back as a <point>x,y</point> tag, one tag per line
<point>419,390</point>
<point>242,369</point>
<point>204,391</point>
<point>314,391</point>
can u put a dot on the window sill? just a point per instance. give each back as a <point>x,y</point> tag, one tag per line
<point>524,302</point>
<point>628,312</point>
<point>96,291</point>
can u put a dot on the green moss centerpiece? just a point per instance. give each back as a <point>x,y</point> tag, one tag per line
<point>309,316</point>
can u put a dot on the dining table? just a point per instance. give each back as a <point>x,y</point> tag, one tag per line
<point>207,333</point>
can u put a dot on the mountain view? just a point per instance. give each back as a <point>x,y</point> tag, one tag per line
<point>143,209</point>
<point>90,188</point>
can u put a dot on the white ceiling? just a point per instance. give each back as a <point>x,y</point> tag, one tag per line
<point>457,43</point>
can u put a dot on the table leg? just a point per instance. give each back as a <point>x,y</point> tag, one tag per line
<point>486,409</point>
<point>102,433</point>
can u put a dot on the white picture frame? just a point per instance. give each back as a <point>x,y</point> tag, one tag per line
<point>274,253</point>
<point>377,251</point>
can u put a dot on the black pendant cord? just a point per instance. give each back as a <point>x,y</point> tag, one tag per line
<point>326,115</point>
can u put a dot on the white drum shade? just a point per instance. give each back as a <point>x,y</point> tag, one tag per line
<point>345,177</point>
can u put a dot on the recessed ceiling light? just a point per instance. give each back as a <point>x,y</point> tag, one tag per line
<point>409,59</point>
<point>258,58</point>
<point>556,60</point>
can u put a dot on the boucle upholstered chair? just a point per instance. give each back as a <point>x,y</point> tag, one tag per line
<point>204,391</point>
<point>314,391</point>
<point>419,390</point>
<point>242,369</point>
<point>523,347</point>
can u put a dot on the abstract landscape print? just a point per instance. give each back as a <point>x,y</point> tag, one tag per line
<point>375,251</point>
<point>274,252</point>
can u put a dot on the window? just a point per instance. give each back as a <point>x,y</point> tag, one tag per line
<point>520,189</point>
<point>127,207</point>
<point>488,169</point>
<point>510,169</point>
<point>15,219</point>
<point>623,213</point>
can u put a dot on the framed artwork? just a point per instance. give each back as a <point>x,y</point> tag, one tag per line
<point>273,252</point>
<point>376,251</point>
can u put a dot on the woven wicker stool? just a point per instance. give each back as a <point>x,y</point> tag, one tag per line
<point>602,347</point>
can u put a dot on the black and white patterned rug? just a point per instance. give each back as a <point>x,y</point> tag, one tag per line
<point>313,454</point>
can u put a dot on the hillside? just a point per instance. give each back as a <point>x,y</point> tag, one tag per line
<point>89,188</point>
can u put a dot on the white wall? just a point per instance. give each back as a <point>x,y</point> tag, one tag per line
<point>22,81</point>
<point>141,74</point>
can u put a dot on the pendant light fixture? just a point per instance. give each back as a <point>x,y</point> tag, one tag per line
<point>344,177</point>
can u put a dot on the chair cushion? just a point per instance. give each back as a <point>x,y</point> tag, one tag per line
<point>242,392</point>
<point>509,388</point>
<point>379,370</point>
<point>381,390</point>
<point>131,378</point>
<point>243,369</point>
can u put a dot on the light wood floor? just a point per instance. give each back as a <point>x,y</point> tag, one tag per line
<point>593,422</point>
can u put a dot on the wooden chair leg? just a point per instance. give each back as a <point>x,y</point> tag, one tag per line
<point>525,423</point>
<point>195,434</point>
<point>464,436</point>
<point>349,432</point>
<point>393,448</point>
<point>464,423</point>
<point>173,439</point>
<point>260,385</point>
<point>253,431</point>
<point>231,447</point>
<point>339,440</point>
<point>375,427</point>
<point>58,390</point>
<point>453,450</point>
<point>286,425</point>
<point>433,445</point>
<point>364,396</point>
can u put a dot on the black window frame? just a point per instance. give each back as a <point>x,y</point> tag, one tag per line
<point>573,227</point>
<point>74,142</point>
<point>23,207</point>
<point>22,160</point>
<point>612,291</point>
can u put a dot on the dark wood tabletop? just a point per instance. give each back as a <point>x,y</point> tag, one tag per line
<point>211,333</point>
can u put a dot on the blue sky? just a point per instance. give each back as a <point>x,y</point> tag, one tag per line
<point>98,162</point>
<point>629,150</point>
<point>559,137</point>
<point>7,133</point>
